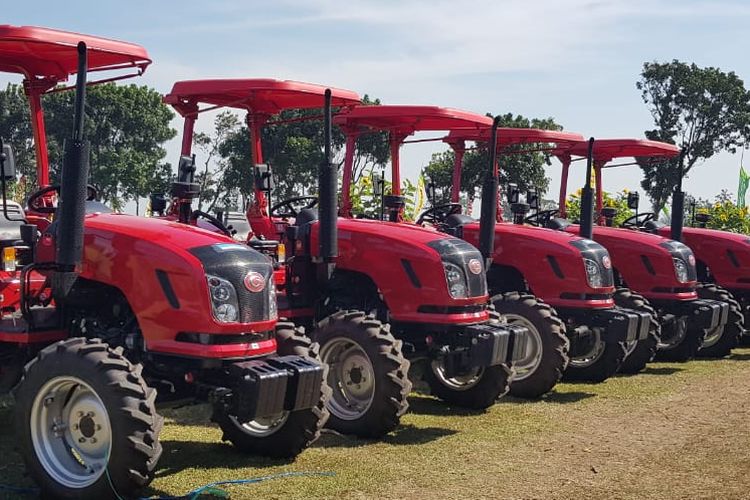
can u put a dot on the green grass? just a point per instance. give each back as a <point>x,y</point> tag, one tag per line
<point>433,450</point>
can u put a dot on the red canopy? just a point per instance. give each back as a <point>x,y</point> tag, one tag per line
<point>507,136</point>
<point>42,53</point>
<point>408,119</point>
<point>606,150</point>
<point>259,95</point>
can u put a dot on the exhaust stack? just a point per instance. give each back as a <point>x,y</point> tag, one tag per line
<point>488,216</point>
<point>678,205</point>
<point>587,197</point>
<point>72,205</point>
<point>328,185</point>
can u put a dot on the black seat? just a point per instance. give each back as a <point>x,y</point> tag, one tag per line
<point>653,226</point>
<point>306,216</point>
<point>558,224</point>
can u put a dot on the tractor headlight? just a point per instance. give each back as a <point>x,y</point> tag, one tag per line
<point>681,270</point>
<point>223,299</point>
<point>593,273</point>
<point>454,276</point>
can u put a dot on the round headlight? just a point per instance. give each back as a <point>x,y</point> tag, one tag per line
<point>226,313</point>
<point>221,293</point>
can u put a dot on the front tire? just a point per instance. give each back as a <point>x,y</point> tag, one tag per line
<point>719,342</point>
<point>597,361</point>
<point>284,435</point>
<point>546,354</point>
<point>679,341</point>
<point>368,374</point>
<point>86,422</point>
<point>643,352</point>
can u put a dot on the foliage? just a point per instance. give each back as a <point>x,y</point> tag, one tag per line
<point>126,125</point>
<point>524,169</point>
<point>724,214</point>
<point>366,204</point>
<point>702,110</point>
<point>618,200</point>
<point>215,184</point>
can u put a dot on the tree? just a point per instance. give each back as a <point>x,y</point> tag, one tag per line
<point>212,181</point>
<point>618,201</point>
<point>126,125</point>
<point>702,110</point>
<point>524,169</point>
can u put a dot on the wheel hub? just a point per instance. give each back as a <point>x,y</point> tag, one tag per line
<point>588,349</point>
<point>532,358</point>
<point>674,334</point>
<point>351,376</point>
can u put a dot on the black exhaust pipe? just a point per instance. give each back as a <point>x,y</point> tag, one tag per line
<point>73,181</point>
<point>678,205</point>
<point>328,186</point>
<point>587,197</point>
<point>488,216</point>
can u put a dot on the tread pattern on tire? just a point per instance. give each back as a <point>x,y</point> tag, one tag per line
<point>645,349</point>
<point>130,406</point>
<point>555,343</point>
<point>390,365</point>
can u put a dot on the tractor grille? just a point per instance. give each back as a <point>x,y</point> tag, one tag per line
<point>460,253</point>
<point>233,262</point>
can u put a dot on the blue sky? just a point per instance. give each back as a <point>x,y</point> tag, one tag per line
<point>574,60</point>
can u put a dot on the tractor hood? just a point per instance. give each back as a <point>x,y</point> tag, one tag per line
<point>657,267</point>
<point>722,256</point>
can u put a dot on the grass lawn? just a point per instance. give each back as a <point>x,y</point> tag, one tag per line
<point>598,440</point>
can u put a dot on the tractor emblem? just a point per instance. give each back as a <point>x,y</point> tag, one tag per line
<point>254,281</point>
<point>475,266</point>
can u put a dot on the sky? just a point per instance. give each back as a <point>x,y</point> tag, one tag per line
<point>574,60</point>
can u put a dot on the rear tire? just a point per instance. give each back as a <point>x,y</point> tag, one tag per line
<point>368,374</point>
<point>547,350</point>
<point>86,422</point>
<point>287,434</point>
<point>645,349</point>
<point>720,344</point>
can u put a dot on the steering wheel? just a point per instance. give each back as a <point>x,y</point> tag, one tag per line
<point>214,222</point>
<point>637,221</point>
<point>291,206</point>
<point>438,213</point>
<point>37,197</point>
<point>541,218</point>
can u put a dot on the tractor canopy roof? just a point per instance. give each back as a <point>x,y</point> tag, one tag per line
<point>406,120</point>
<point>51,55</point>
<point>606,150</point>
<point>257,95</point>
<point>507,136</point>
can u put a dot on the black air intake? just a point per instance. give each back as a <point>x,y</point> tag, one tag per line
<point>74,177</point>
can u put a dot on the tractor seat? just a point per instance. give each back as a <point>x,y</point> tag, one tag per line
<point>306,216</point>
<point>653,226</point>
<point>558,224</point>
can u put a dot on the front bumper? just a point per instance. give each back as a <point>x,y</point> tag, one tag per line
<point>619,324</point>
<point>704,314</point>
<point>484,345</point>
<point>270,386</point>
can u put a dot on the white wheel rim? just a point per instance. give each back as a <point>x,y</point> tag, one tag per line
<point>532,357</point>
<point>462,382</point>
<point>713,336</point>
<point>263,426</point>
<point>667,343</point>
<point>593,355</point>
<point>71,432</point>
<point>351,376</point>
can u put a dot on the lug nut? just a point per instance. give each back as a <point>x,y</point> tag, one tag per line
<point>81,440</point>
<point>93,440</point>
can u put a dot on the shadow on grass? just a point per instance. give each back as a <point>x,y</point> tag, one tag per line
<point>404,434</point>
<point>426,405</point>
<point>745,356</point>
<point>566,397</point>
<point>662,370</point>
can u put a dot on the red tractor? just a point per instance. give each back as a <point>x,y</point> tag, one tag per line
<point>366,290</point>
<point>102,308</point>
<point>715,251</point>
<point>578,283</point>
<point>660,270</point>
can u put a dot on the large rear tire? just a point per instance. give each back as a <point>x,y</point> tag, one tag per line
<point>719,342</point>
<point>644,350</point>
<point>546,355</point>
<point>287,434</point>
<point>368,374</point>
<point>85,421</point>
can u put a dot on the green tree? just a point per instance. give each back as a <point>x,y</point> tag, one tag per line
<point>724,214</point>
<point>702,110</point>
<point>15,129</point>
<point>526,169</point>
<point>618,200</point>
<point>213,181</point>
